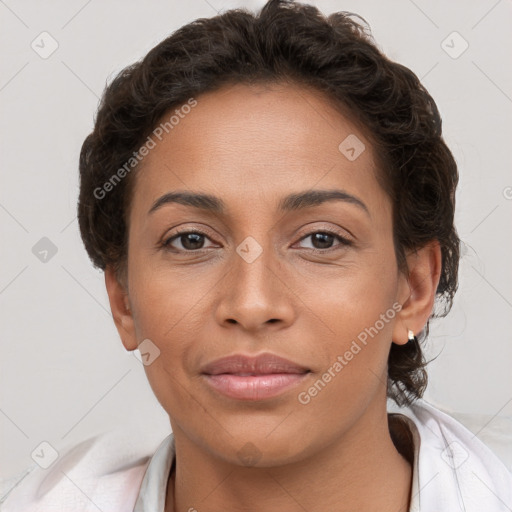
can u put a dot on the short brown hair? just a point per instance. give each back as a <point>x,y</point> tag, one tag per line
<point>286,42</point>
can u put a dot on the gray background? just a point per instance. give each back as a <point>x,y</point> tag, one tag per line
<point>65,375</point>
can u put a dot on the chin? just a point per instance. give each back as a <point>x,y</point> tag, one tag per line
<point>252,448</point>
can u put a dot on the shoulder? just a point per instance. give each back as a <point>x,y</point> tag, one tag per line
<point>103,472</point>
<point>454,468</point>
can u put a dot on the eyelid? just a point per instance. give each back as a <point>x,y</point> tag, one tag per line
<point>168,239</point>
<point>344,241</point>
<point>343,233</point>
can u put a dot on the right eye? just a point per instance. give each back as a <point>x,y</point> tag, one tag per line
<point>190,241</point>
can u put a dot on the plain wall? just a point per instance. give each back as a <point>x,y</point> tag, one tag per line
<point>64,372</point>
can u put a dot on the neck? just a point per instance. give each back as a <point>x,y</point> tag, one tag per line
<point>361,471</point>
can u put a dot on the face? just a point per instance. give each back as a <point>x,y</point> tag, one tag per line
<point>312,281</point>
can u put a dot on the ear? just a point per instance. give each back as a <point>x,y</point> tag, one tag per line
<point>417,291</point>
<point>120,307</point>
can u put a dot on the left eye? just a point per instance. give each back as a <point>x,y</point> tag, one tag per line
<point>324,239</point>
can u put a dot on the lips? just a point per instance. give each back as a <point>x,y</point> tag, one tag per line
<point>258,378</point>
<point>243,366</point>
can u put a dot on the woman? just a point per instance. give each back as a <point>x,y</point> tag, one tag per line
<point>272,203</point>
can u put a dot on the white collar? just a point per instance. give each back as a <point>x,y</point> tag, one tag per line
<point>452,469</point>
<point>153,489</point>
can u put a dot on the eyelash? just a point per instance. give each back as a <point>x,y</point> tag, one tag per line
<point>166,244</point>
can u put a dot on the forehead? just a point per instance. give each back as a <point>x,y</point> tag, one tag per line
<point>247,142</point>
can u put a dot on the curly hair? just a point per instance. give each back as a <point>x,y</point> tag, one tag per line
<point>294,43</point>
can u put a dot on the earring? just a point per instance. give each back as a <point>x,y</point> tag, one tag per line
<point>410,335</point>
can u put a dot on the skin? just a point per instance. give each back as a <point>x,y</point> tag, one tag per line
<point>251,146</point>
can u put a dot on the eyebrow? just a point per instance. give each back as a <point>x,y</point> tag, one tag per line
<point>292,202</point>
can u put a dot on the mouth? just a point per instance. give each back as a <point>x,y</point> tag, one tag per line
<point>254,387</point>
<point>253,378</point>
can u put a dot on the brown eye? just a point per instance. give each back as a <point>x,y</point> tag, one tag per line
<point>323,240</point>
<point>189,241</point>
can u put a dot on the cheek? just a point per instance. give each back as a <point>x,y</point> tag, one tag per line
<point>170,309</point>
<point>165,299</point>
<point>351,299</point>
<point>354,353</point>
<point>353,319</point>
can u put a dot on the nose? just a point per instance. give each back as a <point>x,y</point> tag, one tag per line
<point>255,295</point>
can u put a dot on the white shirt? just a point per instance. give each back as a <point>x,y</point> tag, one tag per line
<point>452,471</point>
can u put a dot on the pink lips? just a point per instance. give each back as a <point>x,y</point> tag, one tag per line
<point>253,378</point>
